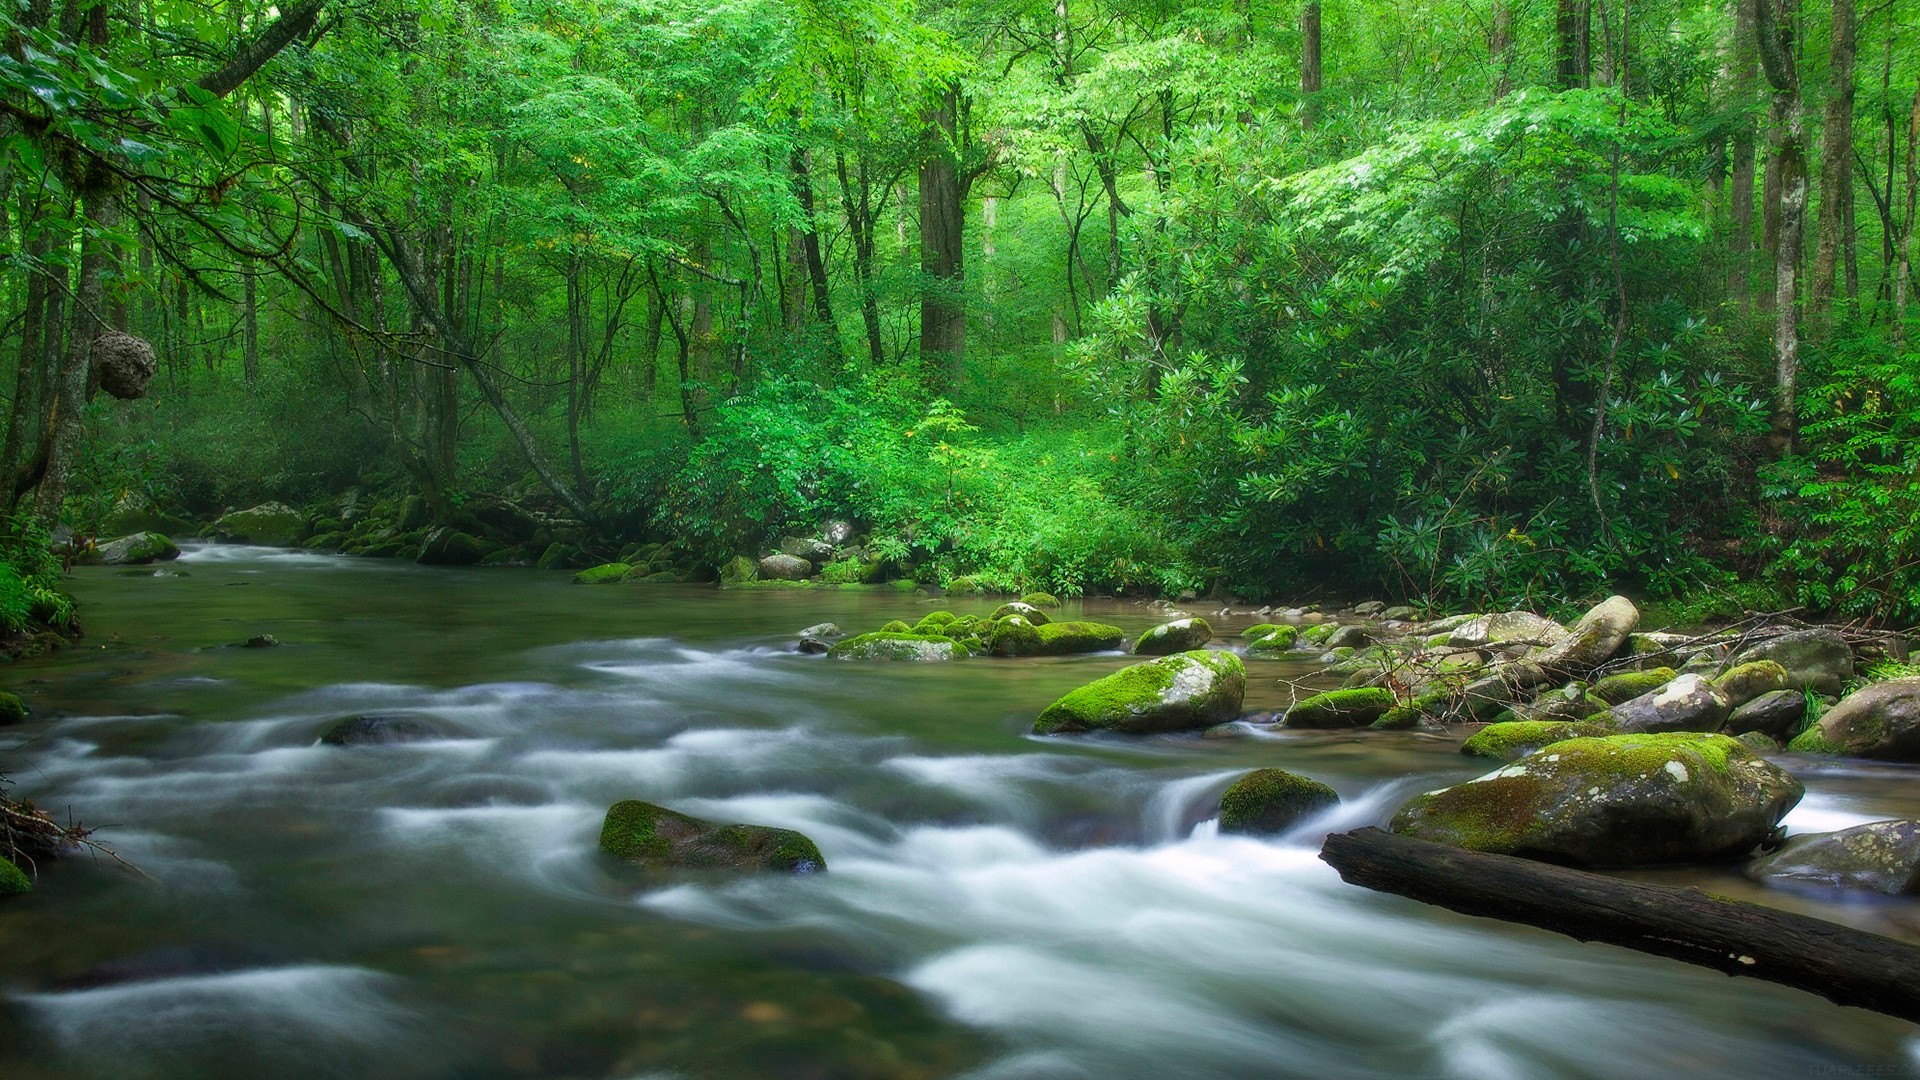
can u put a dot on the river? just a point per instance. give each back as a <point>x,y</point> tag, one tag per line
<point>998,906</point>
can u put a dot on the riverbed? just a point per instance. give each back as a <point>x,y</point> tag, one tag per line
<point>996,906</point>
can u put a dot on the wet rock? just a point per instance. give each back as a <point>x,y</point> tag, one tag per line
<point>1628,685</point>
<point>1349,637</point>
<point>604,574</point>
<point>1041,600</point>
<point>1015,636</point>
<point>1878,721</point>
<point>138,550</point>
<point>935,622</point>
<point>814,646</point>
<point>1183,692</point>
<point>557,556</point>
<point>1400,613</point>
<point>1882,856</point>
<point>1776,715</point>
<point>273,524</point>
<point>825,631</point>
<point>837,533</point>
<point>447,546</point>
<point>887,645</point>
<point>12,709</point>
<point>1181,635</point>
<point>1748,681</point>
<point>13,880</point>
<point>379,729</point>
<point>1514,739</point>
<point>1272,801</point>
<point>1341,708</point>
<point>1593,640</point>
<point>1502,628</point>
<point>1278,640</point>
<point>261,641</point>
<point>784,567</point>
<point>656,838</point>
<point>1026,611</point>
<point>1819,660</point>
<point>1622,800</point>
<point>1688,703</point>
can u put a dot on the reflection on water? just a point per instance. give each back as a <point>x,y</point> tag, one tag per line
<point>998,906</point>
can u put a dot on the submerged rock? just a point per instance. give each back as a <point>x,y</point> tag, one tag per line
<point>890,645</point>
<point>656,838</point>
<point>376,729</point>
<point>1818,660</point>
<point>1181,635</point>
<point>1882,856</point>
<point>261,641</point>
<point>1272,801</point>
<point>1353,708</point>
<point>274,524</point>
<point>1185,691</point>
<point>1515,739</point>
<point>1688,703</point>
<point>138,550</point>
<point>1879,721</point>
<point>1622,800</point>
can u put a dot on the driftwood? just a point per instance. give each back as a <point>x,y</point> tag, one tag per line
<point>1843,965</point>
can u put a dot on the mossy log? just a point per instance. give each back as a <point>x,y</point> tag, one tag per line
<point>1843,965</point>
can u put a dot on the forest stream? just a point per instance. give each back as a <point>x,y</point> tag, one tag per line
<point>996,905</point>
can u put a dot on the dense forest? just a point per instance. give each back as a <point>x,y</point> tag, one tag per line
<point>1487,301</point>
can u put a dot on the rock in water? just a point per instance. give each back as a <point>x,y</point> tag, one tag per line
<point>1776,715</point>
<point>1026,611</point>
<point>604,574</point>
<point>138,549</point>
<point>13,881</point>
<point>885,645</point>
<point>1816,660</point>
<point>448,546</point>
<point>379,730</point>
<point>12,709</point>
<point>1593,640</point>
<point>1272,801</point>
<point>1879,721</point>
<point>1623,800</point>
<point>1353,708</point>
<point>1688,703</point>
<point>1882,856</point>
<point>273,524</point>
<point>1515,739</point>
<point>784,567</point>
<point>1502,628</point>
<point>1182,692</point>
<point>657,838</point>
<point>1181,635</point>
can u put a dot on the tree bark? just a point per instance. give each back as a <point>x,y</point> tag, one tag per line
<point>1500,49</point>
<point>1572,30</point>
<point>943,322</point>
<point>802,169</point>
<point>1903,275</point>
<point>1309,60</point>
<point>1773,31</point>
<point>265,46</point>
<point>1843,965</point>
<point>1836,165</point>
<point>1740,181</point>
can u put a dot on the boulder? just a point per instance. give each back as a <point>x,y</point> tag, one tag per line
<point>1511,740</point>
<point>935,622</point>
<point>375,729</point>
<point>784,567</point>
<point>261,641</point>
<point>1341,708</point>
<point>1272,801</point>
<point>1181,635</point>
<point>739,570</point>
<point>12,709</point>
<point>13,880</point>
<point>1503,628</point>
<point>1878,721</point>
<point>656,838</point>
<point>273,524</point>
<point>1628,685</point>
<point>1282,639</point>
<point>1400,613</point>
<point>138,550</point>
<point>1622,800</point>
<point>1015,636</point>
<point>1776,715</point>
<point>1369,608</point>
<point>1592,641</point>
<point>825,631</point>
<point>1572,702</point>
<point>557,556</point>
<point>1026,611</point>
<point>604,574</point>
<point>1758,742</point>
<point>1688,703</point>
<point>1182,692</point>
<point>1819,660</point>
<point>895,626</point>
<point>447,546</point>
<point>965,586</point>
<point>1040,600</point>
<point>888,645</point>
<point>815,551</point>
<point>1750,680</point>
<point>1349,637</point>
<point>1881,856</point>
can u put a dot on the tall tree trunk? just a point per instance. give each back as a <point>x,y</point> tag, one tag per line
<point>1903,274</point>
<point>1740,182</point>
<point>802,170</point>
<point>250,329</point>
<point>1309,60</point>
<point>856,198</point>
<point>943,323</point>
<point>1572,31</point>
<point>62,431</point>
<point>1773,25</point>
<point>1836,165</point>
<point>1500,49</point>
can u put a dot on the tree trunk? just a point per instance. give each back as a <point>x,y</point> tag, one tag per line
<point>250,330</point>
<point>1843,965</point>
<point>1773,25</point>
<point>1740,182</point>
<point>68,399</point>
<point>1500,49</point>
<point>1836,165</point>
<point>1903,275</point>
<point>943,323</point>
<point>1571,33</point>
<point>1309,59</point>
<point>810,246</point>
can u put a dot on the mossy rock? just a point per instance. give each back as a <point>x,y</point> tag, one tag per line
<point>1744,682</point>
<point>853,571</point>
<point>965,586</point>
<point>327,541</point>
<point>1777,715</point>
<point>1260,630</point>
<point>1433,705</point>
<point>1318,634</point>
<point>1515,739</point>
<point>1879,721</point>
<point>1620,800</point>
<point>1069,638</point>
<point>451,547</point>
<point>12,709</point>
<point>273,524</point>
<point>557,556</point>
<point>1819,659</point>
<point>1180,635</point>
<point>934,622</point>
<point>656,838</point>
<point>1341,708</point>
<point>1026,611</point>
<point>1269,801</point>
<point>736,571</point>
<point>904,585</point>
<point>604,574</point>
<point>1184,692</point>
<point>1615,689</point>
<point>1281,640</point>
<point>13,880</point>
<point>1040,600</point>
<point>138,549</point>
<point>887,645</point>
<point>896,626</point>
<point>1881,856</point>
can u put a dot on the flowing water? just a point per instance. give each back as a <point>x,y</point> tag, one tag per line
<point>997,906</point>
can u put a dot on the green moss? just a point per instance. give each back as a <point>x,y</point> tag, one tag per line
<point>1745,682</point>
<point>631,831</point>
<point>934,621</point>
<point>604,574</point>
<point>1633,755</point>
<point>1272,800</point>
<point>1319,633</point>
<point>896,626</point>
<point>13,881</point>
<point>1260,630</point>
<point>1181,635</point>
<point>1281,639</point>
<point>887,645</point>
<point>1118,693</point>
<point>1341,708</point>
<point>1063,639</point>
<point>1628,685</point>
<point>12,709</point>
<point>844,572</point>
<point>1433,703</point>
<point>1013,636</point>
<point>1814,741</point>
<point>1131,699</point>
<point>735,571</point>
<point>904,585</point>
<point>1041,600</point>
<point>1518,738</point>
<point>965,586</point>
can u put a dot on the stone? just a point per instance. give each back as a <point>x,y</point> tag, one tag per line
<point>1267,801</point>
<point>375,729</point>
<point>447,546</point>
<point>837,533</point>
<point>1026,611</point>
<point>604,574</point>
<point>1688,703</point>
<point>1747,681</point>
<point>1400,613</point>
<point>1349,637</point>
<point>1015,636</point>
<point>272,524</point>
<point>1370,607</point>
<point>1280,640</point>
<point>889,645</point>
<point>1184,692</point>
<point>1628,685</point>
<point>1878,721</point>
<point>1571,702</point>
<point>1514,739</point>
<point>784,567</point>
<point>1776,715</point>
<point>1341,708</point>
<point>1501,628</point>
<point>261,641</point>
<point>557,556</point>
<point>13,880</point>
<point>1040,600</point>
<point>138,550</point>
<point>656,838</point>
<point>825,631</point>
<point>1881,856</point>
<point>1181,635</point>
<point>12,709</point>
<point>739,570</point>
<point>1621,800</point>
<point>814,551</point>
<point>1818,660</point>
<point>1592,641</point>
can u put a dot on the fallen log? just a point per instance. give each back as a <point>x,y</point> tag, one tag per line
<point>1843,965</point>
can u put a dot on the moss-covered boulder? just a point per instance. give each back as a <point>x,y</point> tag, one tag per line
<point>1351,636</point>
<point>739,570</point>
<point>1690,702</point>
<point>1181,635</point>
<point>604,574</point>
<point>1572,702</point>
<point>1777,715</point>
<point>1744,682</point>
<point>1592,641</point>
<point>656,838</point>
<point>892,645</point>
<point>1040,600</point>
<point>1318,633</point>
<point>1622,800</point>
<point>1628,685</point>
<point>1504,628</point>
<point>557,556</point>
<point>138,549</point>
<point>447,546</point>
<point>12,709</point>
<point>1425,709</point>
<point>1184,692</point>
<point>1354,708</point>
<point>1878,721</point>
<point>933,622</point>
<point>1820,660</point>
<point>895,626</point>
<point>1272,801</point>
<point>273,524</point>
<point>1069,638</point>
<point>1515,739</point>
<point>1260,630</point>
<point>783,567</point>
<point>13,880</point>
<point>1281,639</point>
<point>1025,611</point>
<point>1881,856</point>
<point>965,586</point>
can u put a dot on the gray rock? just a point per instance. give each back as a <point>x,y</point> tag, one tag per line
<point>837,533</point>
<point>825,631</point>
<point>1882,856</point>
<point>138,549</point>
<point>1592,641</point>
<point>1748,681</point>
<point>1349,637</point>
<point>1688,703</point>
<point>379,730</point>
<point>805,548</point>
<point>784,567</point>
<point>1183,692</point>
<point>1181,635</point>
<point>1399,613</point>
<point>274,524</point>
<point>1818,660</point>
<point>1776,715</point>
<point>1371,607</point>
<point>1879,721</point>
<point>1503,627</point>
